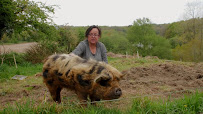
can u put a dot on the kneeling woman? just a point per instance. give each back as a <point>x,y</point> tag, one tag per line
<point>91,47</point>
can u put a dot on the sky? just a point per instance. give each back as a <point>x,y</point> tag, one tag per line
<point>116,12</point>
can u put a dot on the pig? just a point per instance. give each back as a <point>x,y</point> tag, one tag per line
<point>88,78</point>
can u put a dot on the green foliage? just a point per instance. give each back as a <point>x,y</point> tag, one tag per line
<point>173,30</point>
<point>140,29</point>
<point>115,42</point>
<point>80,31</point>
<point>31,14</point>
<point>8,17</point>
<point>175,41</point>
<point>45,32</point>
<point>192,51</point>
<point>20,16</point>
<point>67,39</point>
<point>144,40</point>
<point>186,39</point>
<point>161,48</point>
<point>160,29</point>
<point>61,40</point>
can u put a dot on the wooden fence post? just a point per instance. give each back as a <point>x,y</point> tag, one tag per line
<point>15,61</point>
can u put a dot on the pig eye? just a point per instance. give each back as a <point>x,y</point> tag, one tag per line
<point>104,82</point>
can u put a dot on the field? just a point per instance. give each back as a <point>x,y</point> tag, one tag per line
<point>147,77</point>
<point>19,48</point>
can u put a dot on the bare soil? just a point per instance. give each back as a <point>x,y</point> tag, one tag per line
<point>19,48</point>
<point>164,79</point>
<point>156,81</point>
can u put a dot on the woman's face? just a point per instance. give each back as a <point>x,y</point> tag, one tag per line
<point>93,36</point>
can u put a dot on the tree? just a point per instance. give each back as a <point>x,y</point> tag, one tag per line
<point>143,38</point>
<point>189,52</point>
<point>193,11</point>
<point>67,39</point>
<point>115,42</point>
<point>7,16</point>
<point>22,15</point>
<point>139,29</point>
<point>191,47</point>
<point>173,30</point>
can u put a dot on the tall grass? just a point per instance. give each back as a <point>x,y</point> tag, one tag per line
<point>188,105</point>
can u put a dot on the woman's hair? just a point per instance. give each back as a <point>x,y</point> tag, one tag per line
<point>90,28</point>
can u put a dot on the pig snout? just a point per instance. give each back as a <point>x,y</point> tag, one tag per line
<point>118,92</point>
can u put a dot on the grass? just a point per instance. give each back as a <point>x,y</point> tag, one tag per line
<point>192,104</point>
<point>127,63</point>
<point>27,69</point>
<point>188,105</point>
<point>30,107</point>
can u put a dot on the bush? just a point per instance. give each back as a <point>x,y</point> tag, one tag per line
<point>38,52</point>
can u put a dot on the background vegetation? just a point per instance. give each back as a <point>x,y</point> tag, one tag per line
<point>27,21</point>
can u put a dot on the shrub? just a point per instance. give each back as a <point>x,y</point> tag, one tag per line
<point>37,53</point>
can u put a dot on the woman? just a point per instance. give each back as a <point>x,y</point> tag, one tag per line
<point>91,47</point>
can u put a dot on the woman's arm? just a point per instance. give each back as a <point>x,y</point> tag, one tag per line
<point>104,53</point>
<point>79,50</point>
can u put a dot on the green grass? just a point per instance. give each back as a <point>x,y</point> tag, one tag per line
<point>8,70</point>
<point>127,63</point>
<point>192,104</point>
<point>27,69</point>
<point>188,105</point>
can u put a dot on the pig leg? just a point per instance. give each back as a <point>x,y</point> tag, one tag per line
<point>83,98</point>
<point>93,100</point>
<point>55,93</point>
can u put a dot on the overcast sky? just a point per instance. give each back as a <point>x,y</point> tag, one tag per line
<point>116,12</point>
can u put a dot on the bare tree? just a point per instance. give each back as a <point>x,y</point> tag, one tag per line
<point>193,29</point>
<point>193,11</point>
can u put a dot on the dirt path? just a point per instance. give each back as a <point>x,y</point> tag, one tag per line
<point>19,48</point>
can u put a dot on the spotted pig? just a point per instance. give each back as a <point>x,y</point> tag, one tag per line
<point>88,78</point>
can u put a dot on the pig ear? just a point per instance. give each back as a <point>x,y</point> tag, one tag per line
<point>103,78</point>
<point>118,74</point>
<point>115,72</point>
